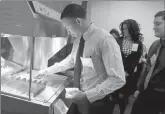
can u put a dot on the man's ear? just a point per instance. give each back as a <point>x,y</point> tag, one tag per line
<point>79,21</point>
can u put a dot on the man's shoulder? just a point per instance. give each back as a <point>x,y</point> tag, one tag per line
<point>103,34</point>
<point>155,44</point>
<point>153,48</point>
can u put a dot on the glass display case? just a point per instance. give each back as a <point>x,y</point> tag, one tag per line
<point>23,56</point>
<point>15,58</point>
<point>21,59</point>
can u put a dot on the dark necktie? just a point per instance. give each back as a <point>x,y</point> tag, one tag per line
<point>78,64</point>
<point>149,75</point>
<point>159,61</point>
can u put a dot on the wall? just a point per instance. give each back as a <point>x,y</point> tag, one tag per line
<point>109,14</point>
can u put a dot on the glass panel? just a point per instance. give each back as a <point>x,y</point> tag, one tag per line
<point>15,67</point>
<point>15,64</point>
<point>48,86</point>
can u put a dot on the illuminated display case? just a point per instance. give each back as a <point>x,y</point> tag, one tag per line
<point>27,43</point>
<point>15,59</point>
<point>21,59</point>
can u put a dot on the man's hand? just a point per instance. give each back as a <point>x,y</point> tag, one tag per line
<point>136,93</point>
<point>82,102</point>
<point>79,96</point>
<point>41,73</point>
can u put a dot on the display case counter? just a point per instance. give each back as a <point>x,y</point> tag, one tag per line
<point>47,95</point>
<point>32,39</point>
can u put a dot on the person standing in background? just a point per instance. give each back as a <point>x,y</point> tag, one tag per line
<point>151,99</point>
<point>97,62</point>
<point>131,49</point>
<point>115,33</point>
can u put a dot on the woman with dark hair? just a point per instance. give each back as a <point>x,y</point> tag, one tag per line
<point>114,33</point>
<point>131,49</point>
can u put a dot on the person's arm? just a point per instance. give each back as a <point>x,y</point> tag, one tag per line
<point>146,67</point>
<point>143,74</point>
<point>112,60</point>
<point>143,62</point>
<point>141,77</point>
<point>144,55</point>
<point>65,64</point>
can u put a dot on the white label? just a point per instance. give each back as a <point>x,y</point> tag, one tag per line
<point>134,47</point>
<point>87,62</point>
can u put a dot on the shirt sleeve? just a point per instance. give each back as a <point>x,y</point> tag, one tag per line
<point>112,59</point>
<point>65,64</point>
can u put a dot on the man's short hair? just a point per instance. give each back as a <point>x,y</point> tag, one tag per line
<point>73,11</point>
<point>115,31</point>
<point>161,14</point>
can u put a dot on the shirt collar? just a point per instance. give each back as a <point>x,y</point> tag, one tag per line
<point>88,32</point>
<point>162,41</point>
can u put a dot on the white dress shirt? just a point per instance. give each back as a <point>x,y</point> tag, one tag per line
<point>107,73</point>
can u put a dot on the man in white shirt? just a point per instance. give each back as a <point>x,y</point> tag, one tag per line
<point>102,72</point>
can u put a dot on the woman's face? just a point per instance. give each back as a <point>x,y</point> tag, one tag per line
<point>125,30</point>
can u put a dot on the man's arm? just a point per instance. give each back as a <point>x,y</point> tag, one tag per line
<point>65,64</point>
<point>147,66</point>
<point>140,83</point>
<point>112,59</point>
<point>143,62</point>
